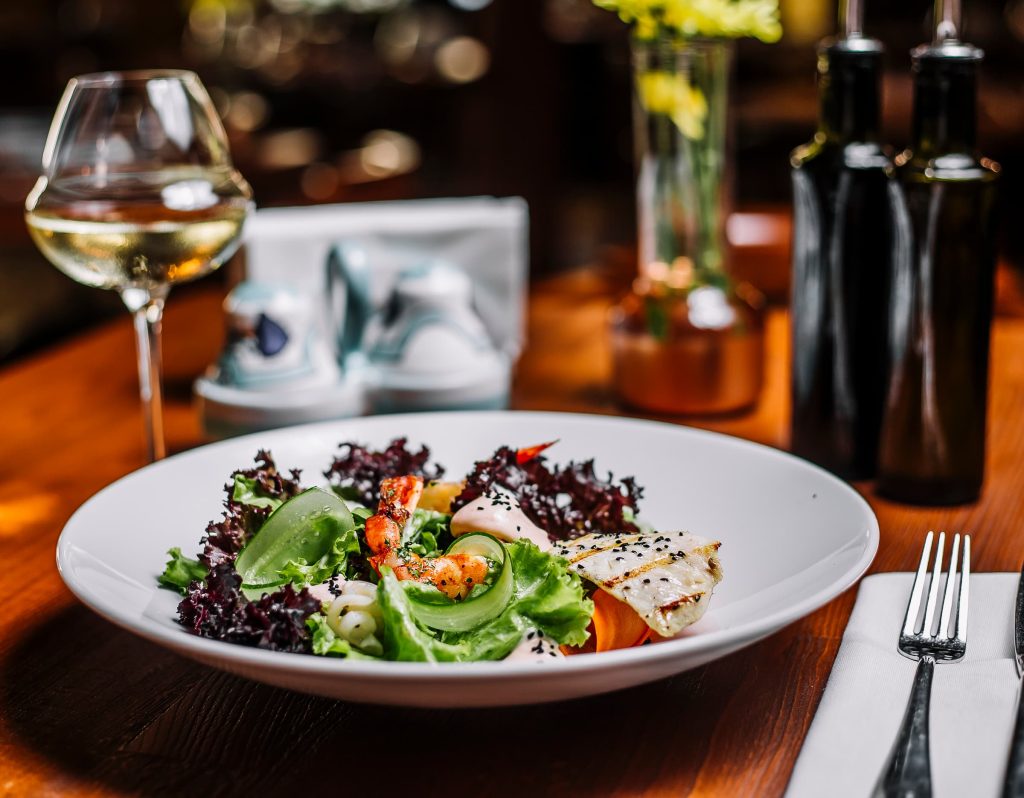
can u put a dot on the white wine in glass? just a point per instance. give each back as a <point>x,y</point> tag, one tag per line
<point>137,194</point>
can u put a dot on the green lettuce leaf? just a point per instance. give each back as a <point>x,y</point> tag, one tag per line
<point>181,571</point>
<point>405,639</point>
<point>327,644</point>
<point>547,596</point>
<point>300,573</point>
<point>427,533</point>
<point>246,491</point>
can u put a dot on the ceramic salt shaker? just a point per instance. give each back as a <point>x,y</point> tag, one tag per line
<point>429,350</point>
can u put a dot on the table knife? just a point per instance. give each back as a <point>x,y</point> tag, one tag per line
<point>1013,786</point>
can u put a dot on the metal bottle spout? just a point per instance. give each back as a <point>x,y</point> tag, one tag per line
<point>851,19</point>
<point>947,20</point>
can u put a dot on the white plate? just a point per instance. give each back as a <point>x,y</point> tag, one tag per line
<point>793,538</point>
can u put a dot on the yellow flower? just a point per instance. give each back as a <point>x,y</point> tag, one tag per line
<point>712,18</point>
<point>671,94</point>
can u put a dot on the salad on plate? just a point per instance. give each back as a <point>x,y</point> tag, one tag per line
<point>521,559</point>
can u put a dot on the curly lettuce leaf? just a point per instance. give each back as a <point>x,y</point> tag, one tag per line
<point>357,470</point>
<point>181,571</point>
<point>565,501</point>
<point>301,574</point>
<point>546,596</point>
<point>427,533</point>
<point>247,491</point>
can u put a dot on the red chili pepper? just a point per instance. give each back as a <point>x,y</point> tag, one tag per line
<point>527,453</point>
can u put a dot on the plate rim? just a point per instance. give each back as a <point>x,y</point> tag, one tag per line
<point>724,639</point>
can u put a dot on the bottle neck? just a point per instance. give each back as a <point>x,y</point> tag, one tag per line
<point>945,103</point>
<point>850,82</point>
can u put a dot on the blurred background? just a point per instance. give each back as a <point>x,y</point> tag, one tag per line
<point>359,100</point>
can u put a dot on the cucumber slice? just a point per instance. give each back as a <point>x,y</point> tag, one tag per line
<point>440,612</point>
<point>304,527</point>
<point>256,592</point>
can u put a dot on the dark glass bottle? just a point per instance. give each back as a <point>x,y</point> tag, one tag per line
<point>933,438</point>
<point>843,249</point>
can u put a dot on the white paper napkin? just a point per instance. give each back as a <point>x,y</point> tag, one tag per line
<point>972,708</point>
<point>486,237</point>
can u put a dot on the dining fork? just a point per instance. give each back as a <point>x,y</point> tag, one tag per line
<point>908,772</point>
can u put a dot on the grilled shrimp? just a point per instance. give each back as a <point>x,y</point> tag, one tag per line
<point>452,574</point>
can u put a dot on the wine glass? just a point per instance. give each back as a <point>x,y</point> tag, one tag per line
<point>138,193</point>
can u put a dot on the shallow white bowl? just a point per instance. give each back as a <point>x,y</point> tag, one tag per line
<point>793,538</point>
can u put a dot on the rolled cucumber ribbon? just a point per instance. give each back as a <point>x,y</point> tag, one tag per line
<point>460,616</point>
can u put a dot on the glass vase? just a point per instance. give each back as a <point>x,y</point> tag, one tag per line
<point>685,340</point>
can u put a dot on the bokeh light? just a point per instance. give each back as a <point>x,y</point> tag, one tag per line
<point>462,59</point>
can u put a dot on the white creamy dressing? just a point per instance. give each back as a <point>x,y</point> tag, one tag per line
<point>535,646</point>
<point>498,513</point>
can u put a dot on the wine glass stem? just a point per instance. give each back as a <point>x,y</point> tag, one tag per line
<point>147,313</point>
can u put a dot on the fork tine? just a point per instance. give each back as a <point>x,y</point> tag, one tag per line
<point>947,590</point>
<point>914,605</point>
<point>933,589</point>
<point>965,579</point>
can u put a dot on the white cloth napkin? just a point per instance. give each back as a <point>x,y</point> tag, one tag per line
<point>972,707</point>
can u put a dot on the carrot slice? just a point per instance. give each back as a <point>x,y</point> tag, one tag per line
<point>616,624</point>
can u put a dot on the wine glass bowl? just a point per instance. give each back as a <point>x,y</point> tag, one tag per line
<point>137,231</point>
<point>137,186</point>
<point>138,193</point>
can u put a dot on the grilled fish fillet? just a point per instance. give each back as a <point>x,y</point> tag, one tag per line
<point>667,577</point>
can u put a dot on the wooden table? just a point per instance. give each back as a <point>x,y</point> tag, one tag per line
<point>87,709</point>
